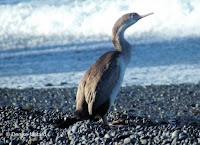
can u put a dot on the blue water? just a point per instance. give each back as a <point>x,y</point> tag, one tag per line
<point>50,37</point>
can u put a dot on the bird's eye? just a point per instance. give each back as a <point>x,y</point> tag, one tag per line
<point>133,15</point>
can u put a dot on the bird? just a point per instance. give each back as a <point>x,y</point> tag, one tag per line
<point>101,83</point>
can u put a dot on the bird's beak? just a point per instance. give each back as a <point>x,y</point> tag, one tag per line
<point>142,16</point>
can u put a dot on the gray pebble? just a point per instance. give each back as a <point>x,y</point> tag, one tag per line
<point>182,136</point>
<point>175,133</point>
<point>140,133</point>
<point>107,136</point>
<point>97,139</point>
<point>127,140</point>
<point>175,141</point>
<point>198,139</point>
<point>144,141</point>
<point>17,125</point>
<point>74,128</point>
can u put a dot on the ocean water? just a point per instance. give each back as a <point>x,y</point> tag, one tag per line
<point>55,42</point>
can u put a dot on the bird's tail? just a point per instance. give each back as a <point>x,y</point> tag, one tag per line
<point>78,116</point>
<point>71,120</point>
<point>67,122</point>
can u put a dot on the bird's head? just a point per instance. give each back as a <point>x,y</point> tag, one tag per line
<point>127,20</point>
<point>134,17</point>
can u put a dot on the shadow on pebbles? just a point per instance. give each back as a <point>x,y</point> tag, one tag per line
<point>155,114</point>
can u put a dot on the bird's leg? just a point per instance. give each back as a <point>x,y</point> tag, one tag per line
<point>105,121</point>
<point>118,123</point>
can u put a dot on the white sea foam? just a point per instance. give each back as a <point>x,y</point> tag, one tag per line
<point>138,76</point>
<point>36,23</point>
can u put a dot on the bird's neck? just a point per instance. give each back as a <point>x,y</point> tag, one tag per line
<point>121,44</point>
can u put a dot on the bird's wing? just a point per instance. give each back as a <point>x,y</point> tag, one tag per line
<point>100,79</point>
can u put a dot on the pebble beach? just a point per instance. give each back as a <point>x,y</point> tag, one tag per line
<point>46,47</point>
<point>153,114</point>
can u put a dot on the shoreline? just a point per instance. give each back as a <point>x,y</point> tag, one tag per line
<point>167,102</point>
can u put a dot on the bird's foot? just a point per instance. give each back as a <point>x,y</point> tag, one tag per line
<point>118,123</point>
